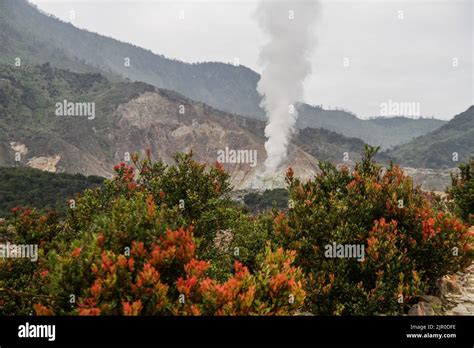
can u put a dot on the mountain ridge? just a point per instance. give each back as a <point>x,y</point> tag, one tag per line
<point>445,147</point>
<point>223,86</point>
<point>129,117</point>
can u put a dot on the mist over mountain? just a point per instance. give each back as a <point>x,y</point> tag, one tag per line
<point>43,38</point>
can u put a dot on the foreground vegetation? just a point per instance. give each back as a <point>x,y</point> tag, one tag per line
<point>167,240</point>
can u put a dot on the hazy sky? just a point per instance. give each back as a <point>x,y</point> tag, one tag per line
<point>395,50</point>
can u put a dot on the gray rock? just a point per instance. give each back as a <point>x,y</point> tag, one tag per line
<point>433,300</point>
<point>470,289</point>
<point>460,309</point>
<point>452,298</point>
<point>446,286</point>
<point>421,309</point>
<point>304,314</point>
<point>470,308</point>
<point>470,297</point>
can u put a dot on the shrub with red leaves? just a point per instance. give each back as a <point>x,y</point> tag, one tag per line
<point>131,248</point>
<point>408,243</point>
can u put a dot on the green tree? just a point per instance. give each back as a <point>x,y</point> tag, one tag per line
<point>462,191</point>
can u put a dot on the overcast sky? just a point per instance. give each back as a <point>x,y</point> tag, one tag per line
<point>408,59</point>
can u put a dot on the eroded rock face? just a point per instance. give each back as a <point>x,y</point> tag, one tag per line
<point>161,121</point>
<point>46,163</point>
<point>18,147</point>
<point>431,179</point>
<point>156,122</point>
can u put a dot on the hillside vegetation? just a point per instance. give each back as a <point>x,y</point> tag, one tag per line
<point>384,132</point>
<point>28,99</point>
<point>330,146</point>
<point>33,188</point>
<point>445,147</point>
<point>43,38</point>
<point>261,201</point>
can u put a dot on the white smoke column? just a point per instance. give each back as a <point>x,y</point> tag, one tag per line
<point>285,64</point>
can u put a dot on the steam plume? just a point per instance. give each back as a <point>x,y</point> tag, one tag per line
<point>285,64</point>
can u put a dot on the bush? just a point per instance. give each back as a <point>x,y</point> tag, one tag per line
<point>276,198</point>
<point>462,191</point>
<point>166,278</point>
<point>144,244</point>
<point>167,240</point>
<point>21,279</point>
<point>407,242</point>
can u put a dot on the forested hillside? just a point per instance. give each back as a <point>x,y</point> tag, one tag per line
<point>442,148</point>
<point>33,188</point>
